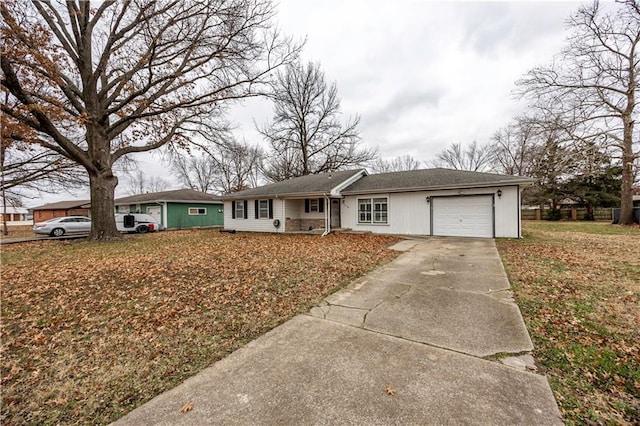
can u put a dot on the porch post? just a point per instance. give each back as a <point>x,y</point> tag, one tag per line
<point>327,216</point>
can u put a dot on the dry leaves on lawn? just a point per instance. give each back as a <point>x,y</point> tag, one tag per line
<point>91,330</point>
<point>579,291</point>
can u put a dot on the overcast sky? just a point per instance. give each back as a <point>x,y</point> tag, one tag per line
<point>421,74</point>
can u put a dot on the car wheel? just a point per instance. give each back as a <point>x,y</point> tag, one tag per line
<point>58,232</point>
<point>142,229</point>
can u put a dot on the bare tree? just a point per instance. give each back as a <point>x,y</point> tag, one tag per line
<point>538,147</point>
<point>594,84</point>
<point>397,164</point>
<point>238,166</point>
<point>26,165</point>
<point>225,167</point>
<point>103,80</point>
<point>139,183</point>
<point>306,134</point>
<point>514,147</point>
<point>195,172</point>
<point>474,158</point>
<point>551,163</point>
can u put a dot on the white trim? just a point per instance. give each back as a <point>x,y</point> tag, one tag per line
<point>337,190</point>
<point>372,210</point>
<point>165,214</point>
<point>198,213</point>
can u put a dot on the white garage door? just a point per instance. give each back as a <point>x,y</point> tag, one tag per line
<point>155,212</point>
<point>468,216</point>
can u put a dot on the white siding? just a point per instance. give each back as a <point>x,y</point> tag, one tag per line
<point>409,212</point>
<point>507,212</point>
<point>295,210</point>
<point>251,223</point>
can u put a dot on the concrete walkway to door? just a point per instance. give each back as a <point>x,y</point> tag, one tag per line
<point>434,337</point>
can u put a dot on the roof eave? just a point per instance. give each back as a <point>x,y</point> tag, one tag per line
<point>119,203</point>
<point>523,182</point>
<point>279,195</point>
<point>336,191</point>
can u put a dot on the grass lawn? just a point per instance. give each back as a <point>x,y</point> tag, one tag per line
<point>90,331</point>
<point>19,231</point>
<point>578,287</point>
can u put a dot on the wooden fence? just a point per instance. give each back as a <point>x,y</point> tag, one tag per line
<point>599,214</point>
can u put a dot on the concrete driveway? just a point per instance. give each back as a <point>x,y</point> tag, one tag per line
<point>434,337</point>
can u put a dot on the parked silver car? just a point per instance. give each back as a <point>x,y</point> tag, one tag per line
<point>59,226</point>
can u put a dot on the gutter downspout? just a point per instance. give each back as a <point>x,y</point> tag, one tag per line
<point>327,217</point>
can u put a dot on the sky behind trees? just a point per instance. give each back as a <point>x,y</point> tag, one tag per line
<point>420,74</point>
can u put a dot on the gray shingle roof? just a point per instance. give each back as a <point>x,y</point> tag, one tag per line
<point>177,195</point>
<point>318,184</point>
<point>426,179</point>
<point>64,205</point>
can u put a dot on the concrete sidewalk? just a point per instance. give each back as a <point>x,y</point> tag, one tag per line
<point>433,337</point>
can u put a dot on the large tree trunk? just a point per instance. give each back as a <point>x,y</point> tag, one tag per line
<point>626,193</point>
<point>626,190</point>
<point>103,220</point>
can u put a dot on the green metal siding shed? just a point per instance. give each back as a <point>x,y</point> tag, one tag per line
<point>177,209</point>
<point>189,215</point>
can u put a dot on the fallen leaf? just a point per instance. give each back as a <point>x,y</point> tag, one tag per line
<point>390,391</point>
<point>186,407</point>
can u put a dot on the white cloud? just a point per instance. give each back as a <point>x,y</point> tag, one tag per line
<point>421,74</point>
<point>425,74</point>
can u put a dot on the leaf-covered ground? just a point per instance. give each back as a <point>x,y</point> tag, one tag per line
<point>578,287</point>
<point>90,331</point>
<point>19,231</point>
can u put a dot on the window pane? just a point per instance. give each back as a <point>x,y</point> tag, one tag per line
<point>263,209</point>
<point>364,211</point>
<point>380,210</point>
<point>313,205</point>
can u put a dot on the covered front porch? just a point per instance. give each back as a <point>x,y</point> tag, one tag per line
<point>321,214</point>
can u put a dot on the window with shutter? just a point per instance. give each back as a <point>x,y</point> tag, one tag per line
<point>240,210</point>
<point>263,209</point>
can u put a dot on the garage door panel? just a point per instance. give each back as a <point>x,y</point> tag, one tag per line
<point>464,216</point>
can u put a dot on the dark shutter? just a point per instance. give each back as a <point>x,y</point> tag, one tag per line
<point>306,205</point>
<point>233,210</point>
<point>257,207</point>
<point>270,208</point>
<point>246,208</point>
<point>321,205</point>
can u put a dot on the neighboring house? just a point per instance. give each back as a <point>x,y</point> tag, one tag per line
<point>419,202</point>
<point>177,209</point>
<point>14,214</point>
<point>61,209</point>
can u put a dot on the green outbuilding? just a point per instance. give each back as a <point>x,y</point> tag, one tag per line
<point>177,209</point>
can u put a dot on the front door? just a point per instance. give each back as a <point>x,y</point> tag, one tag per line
<point>335,213</point>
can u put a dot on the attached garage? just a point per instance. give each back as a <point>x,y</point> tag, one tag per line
<point>463,216</point>
<point>438,202</point>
